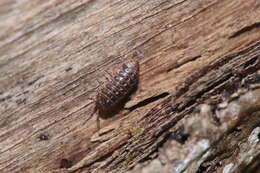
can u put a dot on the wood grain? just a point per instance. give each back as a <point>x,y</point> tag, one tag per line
<point>53,52</point>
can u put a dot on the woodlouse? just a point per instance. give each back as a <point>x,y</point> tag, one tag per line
<point>117,89</point>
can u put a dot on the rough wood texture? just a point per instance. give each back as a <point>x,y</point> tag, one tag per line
<point>52,53</point>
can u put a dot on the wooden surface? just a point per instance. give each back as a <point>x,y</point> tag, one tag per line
<point>53,52</point>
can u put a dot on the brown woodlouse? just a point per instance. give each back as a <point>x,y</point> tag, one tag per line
<point>117,89</point>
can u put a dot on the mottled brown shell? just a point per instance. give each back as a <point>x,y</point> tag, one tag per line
<point>118,88</point>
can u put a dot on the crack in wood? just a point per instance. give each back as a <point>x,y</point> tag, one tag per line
<point>155,130</point>
<point>5,98</point>
<point>99,153</point>
<point>35,80</point>
<point>244,30</point>
<point>214,65</point>
<point>184,61</point>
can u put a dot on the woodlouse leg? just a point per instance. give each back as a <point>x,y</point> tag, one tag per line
<point>98,122</point>
<point>90,116</point>
<point>99,83</point>
<point>107,78</point>
<point>109,73</point>
<point>94,88</point>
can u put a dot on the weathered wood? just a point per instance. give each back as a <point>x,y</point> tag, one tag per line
<point>53,52</point>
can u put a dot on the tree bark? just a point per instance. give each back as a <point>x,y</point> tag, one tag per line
<point>196,107</point>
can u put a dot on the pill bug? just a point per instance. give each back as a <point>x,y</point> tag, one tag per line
<point>116,90</point>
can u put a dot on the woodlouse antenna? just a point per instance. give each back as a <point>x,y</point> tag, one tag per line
<point>91,115</point>
<point>94,110</point>
<point>92,100</point>
<point>94,88</point>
